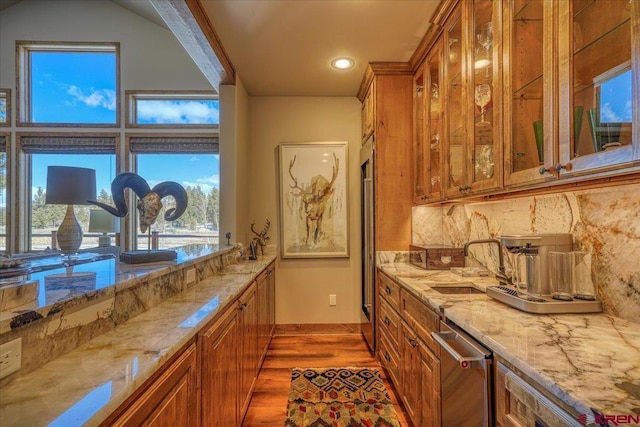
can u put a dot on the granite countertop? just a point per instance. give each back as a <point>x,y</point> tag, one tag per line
<point>87,384</point>
<point>61,286</point>
<point>585,360</point>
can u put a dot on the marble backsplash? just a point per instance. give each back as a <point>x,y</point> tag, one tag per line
<point>604,222</point>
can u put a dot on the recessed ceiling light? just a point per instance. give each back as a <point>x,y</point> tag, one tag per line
<point>342,63</point>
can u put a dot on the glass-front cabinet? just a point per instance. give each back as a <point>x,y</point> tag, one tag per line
<point>527,29</point>
<point>599,51</point>
<point>455,169</point>
<point>420,175</point>
<point>474,96</point>
<point>435,157</point>
<point>427,110</point>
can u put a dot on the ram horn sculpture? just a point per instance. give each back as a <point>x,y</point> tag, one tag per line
<point>150,201</point>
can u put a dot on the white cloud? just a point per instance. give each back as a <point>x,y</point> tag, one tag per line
<point>104,98</point>
<point>177,112</point>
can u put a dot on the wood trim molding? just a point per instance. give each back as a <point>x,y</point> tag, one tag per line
<point>188,21</point>
<point>201,17</point>
<point>317,328</point>
<point>381,68</point>
<point>438,20</point>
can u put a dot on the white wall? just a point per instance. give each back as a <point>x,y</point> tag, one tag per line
<point>303,285</point>
<point>234,167</point>
<point>150,56</point>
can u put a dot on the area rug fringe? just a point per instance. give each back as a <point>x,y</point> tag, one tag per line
<point>339,397</point>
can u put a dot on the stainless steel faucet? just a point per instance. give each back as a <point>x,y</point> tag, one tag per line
<point>501,276</point>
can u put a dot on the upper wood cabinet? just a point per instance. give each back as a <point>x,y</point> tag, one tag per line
<point>368,113</point>
<point>599,85</point>
<point>529,110</point>
<point>473,87</point>
<point>533,93</point>
<point>387,91</point>
<point>427,128</point>
<point>572,68</point>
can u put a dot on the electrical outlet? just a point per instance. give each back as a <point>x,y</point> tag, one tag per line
<point>332,299</point>
<point>10,357</point>
<point>191,276</point>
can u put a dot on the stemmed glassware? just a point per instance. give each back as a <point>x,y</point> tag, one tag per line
<point>482,98</point>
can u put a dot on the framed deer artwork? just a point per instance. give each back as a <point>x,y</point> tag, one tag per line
<point>314,202</point>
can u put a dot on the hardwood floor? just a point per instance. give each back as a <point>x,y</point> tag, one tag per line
<point>269,401</point>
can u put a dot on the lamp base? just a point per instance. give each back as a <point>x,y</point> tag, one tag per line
<point>69,233</point>
<point>104,240</point>
<point>141,257</point>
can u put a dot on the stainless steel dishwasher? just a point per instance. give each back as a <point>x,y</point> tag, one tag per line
<point>465,378</point>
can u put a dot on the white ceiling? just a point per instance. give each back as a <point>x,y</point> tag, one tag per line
<point>285,47</point>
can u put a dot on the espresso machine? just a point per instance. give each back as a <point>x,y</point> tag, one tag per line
<point>536,250</point>
<point>542,244</point>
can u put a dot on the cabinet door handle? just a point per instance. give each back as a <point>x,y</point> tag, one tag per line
<point>566,167</point>
<point>388,289</point>
<point>387,357</point>
<point>544,170</point>
<point>386,321</point>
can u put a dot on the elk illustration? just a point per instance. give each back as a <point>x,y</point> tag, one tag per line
<point>314,199</point>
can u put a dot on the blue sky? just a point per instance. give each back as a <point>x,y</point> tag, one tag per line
<point>79,87</point>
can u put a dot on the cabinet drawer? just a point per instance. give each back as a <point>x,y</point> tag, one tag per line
<point>520,404</point>
<point>389,289</point>
<point>421,319</point>
<point>389,322</point>
<point>389,359</point>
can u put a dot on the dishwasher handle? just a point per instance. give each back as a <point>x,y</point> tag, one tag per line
<point>465,362</point>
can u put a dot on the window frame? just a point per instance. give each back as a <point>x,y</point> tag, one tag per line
<point>5,138</point>
<point>6,95</point>
<point>132,96</point>
<point>23,78</point>
<point>158,143</point>
<point>22,240</point>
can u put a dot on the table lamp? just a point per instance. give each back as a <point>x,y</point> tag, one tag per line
<point>70,186</point>
<point>103,222</point>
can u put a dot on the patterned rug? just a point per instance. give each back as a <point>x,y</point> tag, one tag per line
<point>339,397</point>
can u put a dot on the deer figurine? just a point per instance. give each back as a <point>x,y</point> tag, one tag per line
<point>261,237</point>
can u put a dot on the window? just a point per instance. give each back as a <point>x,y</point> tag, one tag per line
<point>5,107</point>
<point>153,109</point>
<point>3,192</point>
<point>95,152</point>
<point>194,163</point>
<point>71,83</point>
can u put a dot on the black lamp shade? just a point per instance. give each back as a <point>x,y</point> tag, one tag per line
<point>68,185</point>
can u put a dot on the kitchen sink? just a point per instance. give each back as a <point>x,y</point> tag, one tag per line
<point>457,290</point>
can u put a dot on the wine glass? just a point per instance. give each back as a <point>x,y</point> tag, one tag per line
<point>482,98</point>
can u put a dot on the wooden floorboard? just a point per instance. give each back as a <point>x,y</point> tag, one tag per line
<point>269,400</point>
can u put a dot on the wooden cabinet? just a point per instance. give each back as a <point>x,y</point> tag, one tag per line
<point>210,382</point>
<point>598,104</point>
<point>219,349</point>
<point>571,105</point>
<point>170,400</point>
<point>538,93</point>
<point>368,113</point>
<point>427,114</point>
<point>387,86</point>
<point>518,403</point>
<point>473,88</point>
<point>528,103</point>
<point>249,358</point>
<point>266,309</point>
<point>407,351</point>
